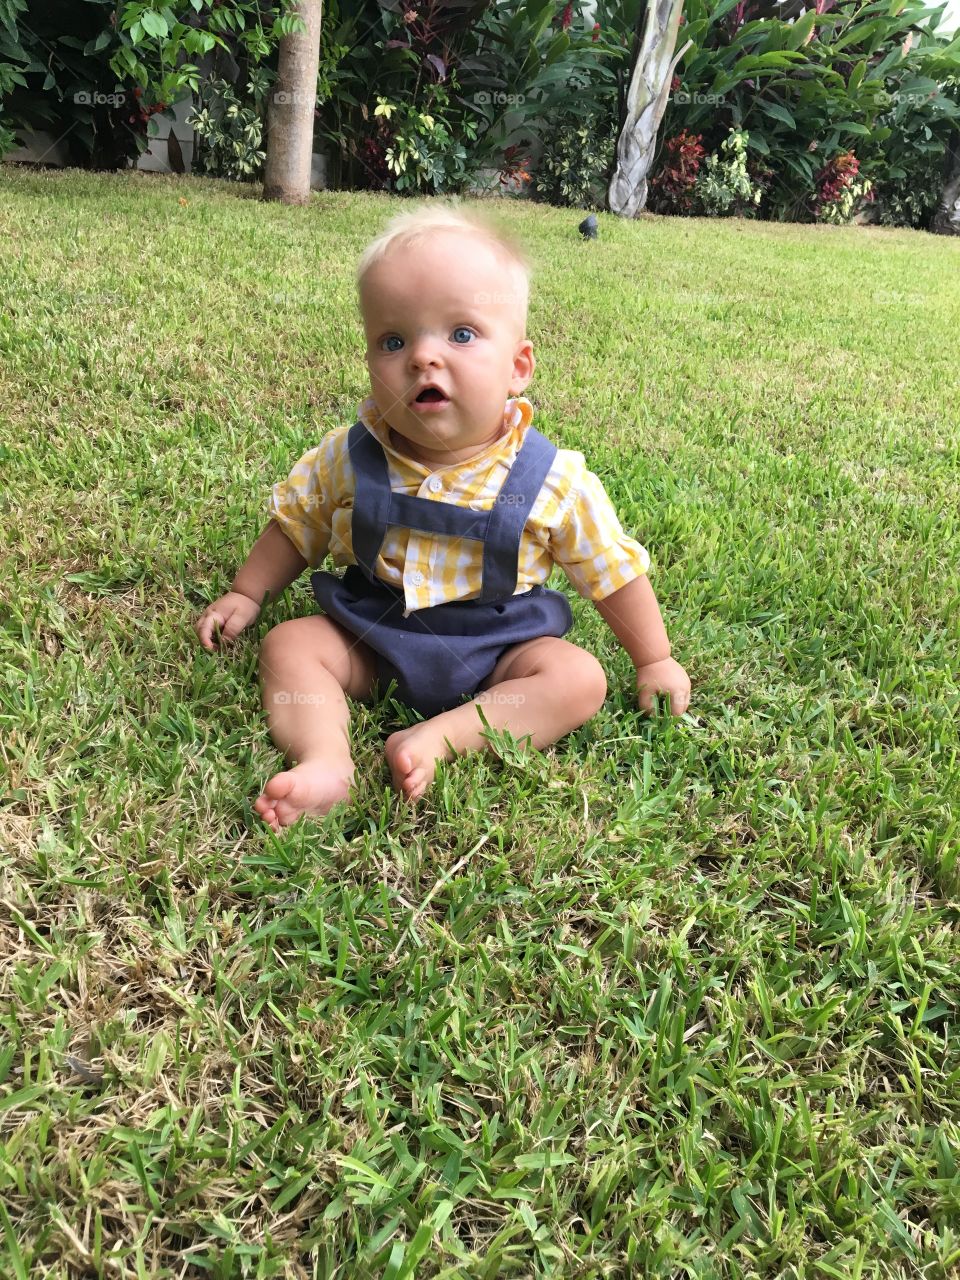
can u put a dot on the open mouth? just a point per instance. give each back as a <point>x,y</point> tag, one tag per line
<point>431,395</point>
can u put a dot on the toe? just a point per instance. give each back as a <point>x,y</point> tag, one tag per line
<point>279,786</point>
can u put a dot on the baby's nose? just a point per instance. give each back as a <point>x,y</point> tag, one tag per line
<point>424,350</point>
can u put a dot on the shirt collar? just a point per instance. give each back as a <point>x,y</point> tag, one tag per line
<point>517,416</point>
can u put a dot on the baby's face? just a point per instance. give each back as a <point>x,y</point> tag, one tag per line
<point>443,313</point>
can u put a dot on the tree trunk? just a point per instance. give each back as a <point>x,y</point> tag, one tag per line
<point>946,220</point>
<point>290,115</point>
<point>646,103</point>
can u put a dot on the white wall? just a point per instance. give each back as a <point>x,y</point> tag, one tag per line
<point>154,159</point>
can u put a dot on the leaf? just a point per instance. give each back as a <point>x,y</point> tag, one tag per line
<point>154,24</point>
<point>175,153</point>
<point>801,29</point>
<point>859,33</point>
<point>779,113</point>
<point>291,1191</point>
<point>721,11</point>
<point>13,1246</point>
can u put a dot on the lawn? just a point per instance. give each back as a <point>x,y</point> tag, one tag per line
<point>676,998</point>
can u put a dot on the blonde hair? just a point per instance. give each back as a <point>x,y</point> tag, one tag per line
<point>409,229</point>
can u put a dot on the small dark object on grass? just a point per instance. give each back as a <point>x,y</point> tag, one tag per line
<point>85,1070</point>
<point>588,227</point>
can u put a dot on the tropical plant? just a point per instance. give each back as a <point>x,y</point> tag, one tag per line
<point>157,40</point>
<point>508,70</point>
<point>93,74</point>
<point>924,119</point>
<point>423,155</point>
<point>724,185</point>
<point>840,189</point>
<point>671,189</point>
<point>575,162</point>
<point>59,80</point>
<point>230,129</point>
<point>805,90</point>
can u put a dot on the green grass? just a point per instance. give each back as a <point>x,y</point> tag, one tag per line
<point>673,999</point>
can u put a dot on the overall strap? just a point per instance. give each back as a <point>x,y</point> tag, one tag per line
<point>371,498</point>
<point>499,528</point>
<point>510,512</point>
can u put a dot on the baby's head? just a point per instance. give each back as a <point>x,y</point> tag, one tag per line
<point>443,295</point>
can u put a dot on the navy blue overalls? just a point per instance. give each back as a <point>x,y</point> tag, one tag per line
<point>439,654</point>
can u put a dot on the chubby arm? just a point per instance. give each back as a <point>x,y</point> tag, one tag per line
<point>633,615</point>
<point>273,563</point>
<point>298,535</point>
<point>610,568</point>
<point>268,570</point>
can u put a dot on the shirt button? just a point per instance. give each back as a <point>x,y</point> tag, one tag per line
<point>417,579</point>
<point>434,484</point>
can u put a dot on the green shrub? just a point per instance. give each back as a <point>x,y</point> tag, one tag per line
<point>723,185</point>
<point>507,71</point>
<point>923,119</point>
<point>575,165</point>
<point>423,154</point>
<point>810,90</point>
<point>231,130</point>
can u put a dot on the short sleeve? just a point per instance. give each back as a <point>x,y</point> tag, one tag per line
<point>588,542</point>
<point>304,503</point>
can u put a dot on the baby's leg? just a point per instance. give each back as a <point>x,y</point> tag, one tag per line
<point>306,665</point>
<point>542,688</point>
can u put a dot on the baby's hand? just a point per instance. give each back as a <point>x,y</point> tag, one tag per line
<point>665,676</point>
<point>223,620</point>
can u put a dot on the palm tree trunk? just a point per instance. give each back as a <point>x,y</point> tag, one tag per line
<point>646,103</point>
<point>946,220</point>
<point>291,110</point>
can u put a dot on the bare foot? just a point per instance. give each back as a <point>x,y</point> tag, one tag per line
<point>312,788</point>
<point>412,755</point>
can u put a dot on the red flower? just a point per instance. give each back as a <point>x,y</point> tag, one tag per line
<point>596,32</point>
<point>567,17</point>
<point>674,84</point>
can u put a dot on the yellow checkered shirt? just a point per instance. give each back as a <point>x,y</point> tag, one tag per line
<point>572,522</point>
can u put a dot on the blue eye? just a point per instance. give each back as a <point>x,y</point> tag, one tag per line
<point>391,338</point>
<point>462,329</point>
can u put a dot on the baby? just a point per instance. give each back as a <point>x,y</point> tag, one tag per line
<point>449,510</point>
